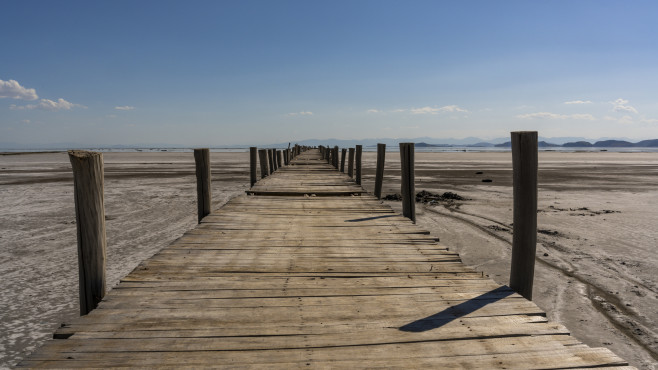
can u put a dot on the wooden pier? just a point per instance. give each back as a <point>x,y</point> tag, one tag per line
<point>310,271</point>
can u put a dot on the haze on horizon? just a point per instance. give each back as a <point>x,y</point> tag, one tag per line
<point>254,72</point>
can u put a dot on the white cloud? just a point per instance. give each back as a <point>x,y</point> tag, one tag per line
<point>124,107</point>
<point>578,102</point>
<point>373,111</point>
<point>626,120</point>
<point>548,115</point>
<point>47,104</point>
<point>398,110</point>
<point>433,110</point>
<point>26,121</point>
<point>302,113</point>
<point>12,89</point>
<point>621,105</point>
<point>649,120</point>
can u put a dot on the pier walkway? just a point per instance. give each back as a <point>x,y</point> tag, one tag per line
<point>309,271</point>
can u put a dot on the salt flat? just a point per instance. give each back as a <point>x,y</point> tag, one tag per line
<point>596,216</point>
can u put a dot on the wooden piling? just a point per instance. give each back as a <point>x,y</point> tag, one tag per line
<point>408,189</point>
<point>379,173</point>
<point>253,158</point>
<point>279,160</point>
<point>350,163</point>
<point>342,159</point>
<point>262,158</point>
<point>203,192</point>
<point>357,159</point>
<point>270,159</point>
<point>335,156</point>
<point>524,241</point>
<point>90,224</point>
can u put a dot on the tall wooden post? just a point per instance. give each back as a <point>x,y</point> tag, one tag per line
<point>408,188</point>
<point>357,158</point>
<point>342,159</point>
<point>253,158</point>
<point>524,241</point>
<point>262,158</point>
<point>379,174</point>
<point>270,160</point>
<point>350,163</point>
<point>90,225</point>
<point>203,192</point>
<point>279,161</point>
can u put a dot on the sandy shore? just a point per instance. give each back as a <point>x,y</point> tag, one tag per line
<point>596,262</point>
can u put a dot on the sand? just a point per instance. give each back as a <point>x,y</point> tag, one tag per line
<point>596,266</point>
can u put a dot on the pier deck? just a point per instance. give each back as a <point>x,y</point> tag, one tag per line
<point>309,271</point>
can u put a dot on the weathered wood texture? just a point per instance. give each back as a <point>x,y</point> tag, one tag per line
<point>253,164</point>
<point>357,163</point>
<point>203,188</point>
<point>407,180</point>
<point>350,162</point>
<point>270,160</point>
<point>342,159</point>
<point>524,241</point>
<point>279,158</point>
<point>262,158</point>
<point>312,282</point>
<point>90,224</point>
<point>379,172</point>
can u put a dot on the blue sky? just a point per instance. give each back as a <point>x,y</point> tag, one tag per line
<point>255,72</point>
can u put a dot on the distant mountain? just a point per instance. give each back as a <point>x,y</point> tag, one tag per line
<point>540,144</point>
<point>426,145</point>
<point>613,144</point>
<point>577,144</point>
<point>647,144</point>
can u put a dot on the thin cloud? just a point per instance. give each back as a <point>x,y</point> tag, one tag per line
<point>303,113</point>
<point>434,110</point>
<point>621,105</point>
<point>548,115</point>
<point>578,102</point>
<point>47,104</point>
<point>26,121</point>
<point>13,90</point>
<point>124,107</point>
<point>373,111</point>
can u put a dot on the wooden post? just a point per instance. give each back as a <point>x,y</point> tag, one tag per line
<point>359,148</point>
<point>335,155</point>
<point>342,159</point>
<point>203,192</point>
<point>262,158</point>
<point>90,225</point>
<point>278,158</point>
<point>350,163</point>
<point>379,174</point>
<point>524,241</point>
<point>408,189</point>
<point>270,160</point>
<point>253,158</point>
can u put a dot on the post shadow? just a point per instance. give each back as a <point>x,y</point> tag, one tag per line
<point>454,312</point>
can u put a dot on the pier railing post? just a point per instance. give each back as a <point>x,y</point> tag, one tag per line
<point>379,174</point>
<point>271,161</point>
<point>342,159</point>
<point>279,161</point>
<point>334,162</point>
<point>408,188</point>
<point>350,163</point>
<point>90,225</point>
<point>203,192</point>
<point>253,158</point>
<point>262,158</point>
<point>357,158</point>
<point>524,240</point>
